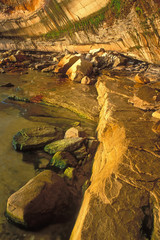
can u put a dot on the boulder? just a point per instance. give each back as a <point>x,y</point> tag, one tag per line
<point>36,137</point>
<point>41,200</point>
<point>79,69</point>
<point>65,63</point>
<point>67,144</point>
<point>61,160</point>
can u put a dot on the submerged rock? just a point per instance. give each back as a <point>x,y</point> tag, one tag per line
<point>37,137</point>
<point>67,144</point>
<point>43,199</point>
<point>62,159</point>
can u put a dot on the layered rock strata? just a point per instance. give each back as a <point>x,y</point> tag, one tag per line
<point>123,200</point>
<point>132,29</point>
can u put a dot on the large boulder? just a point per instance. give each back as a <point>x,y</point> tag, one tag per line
<point>79,69</point>
<point>65,63</point>
<point>67,144</point>
<point>41,200</point>
<point>36,137</point>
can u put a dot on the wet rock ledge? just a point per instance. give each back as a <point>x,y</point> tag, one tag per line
<point>122,201</point>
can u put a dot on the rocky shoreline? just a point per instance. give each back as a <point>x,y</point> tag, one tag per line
<point>124,85</point>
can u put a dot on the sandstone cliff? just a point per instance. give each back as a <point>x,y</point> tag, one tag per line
<point>131,27</point>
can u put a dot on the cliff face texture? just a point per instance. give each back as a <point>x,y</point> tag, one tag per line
<point>131,27</point>
<point>123,199</point>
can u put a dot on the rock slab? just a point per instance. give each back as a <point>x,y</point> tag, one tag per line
<point>37,137</point>
<point>41,200</point>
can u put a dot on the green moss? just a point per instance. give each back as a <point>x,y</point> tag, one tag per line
<point>137,47</point>
<point>116,6</point>
<point>91,22</point>
<point>69,172</point>
<point>58,161</point>
<point>139,10</point>
<point>85,186</point>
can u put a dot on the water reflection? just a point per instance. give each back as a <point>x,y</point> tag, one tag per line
<point>15,169</point>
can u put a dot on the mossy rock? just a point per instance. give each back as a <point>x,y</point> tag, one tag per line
<point>68,144</point>
<point>61,160</point>
<point>80,153</point>
<point>37,137</point>
<point>41,201</point>
<point>69,172</point>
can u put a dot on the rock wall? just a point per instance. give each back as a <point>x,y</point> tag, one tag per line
<point>122,201</point>
<point>133,29</point>
<point>28,20</point>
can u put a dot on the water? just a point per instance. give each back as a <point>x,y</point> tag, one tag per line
<point>14,172</point>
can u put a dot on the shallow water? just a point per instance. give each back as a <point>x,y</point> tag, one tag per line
<point>14,172</point>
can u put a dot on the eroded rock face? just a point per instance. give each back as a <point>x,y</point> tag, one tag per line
<point>136,31</point>
<point>41,200</point>
<point>123,200</point>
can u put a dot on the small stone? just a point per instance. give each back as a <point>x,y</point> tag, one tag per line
<point>12,58</point>
<point>71,133</point>
<point>69,172</point>
<point>156,114</point>
<point>139,78</point>
<point>88,57</point>
<point>2,70</point>
<point>86,80</point>
<point>55,59</point>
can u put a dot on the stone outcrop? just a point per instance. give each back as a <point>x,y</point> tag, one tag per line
<point>123,199</point>
<point>41,200</point>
